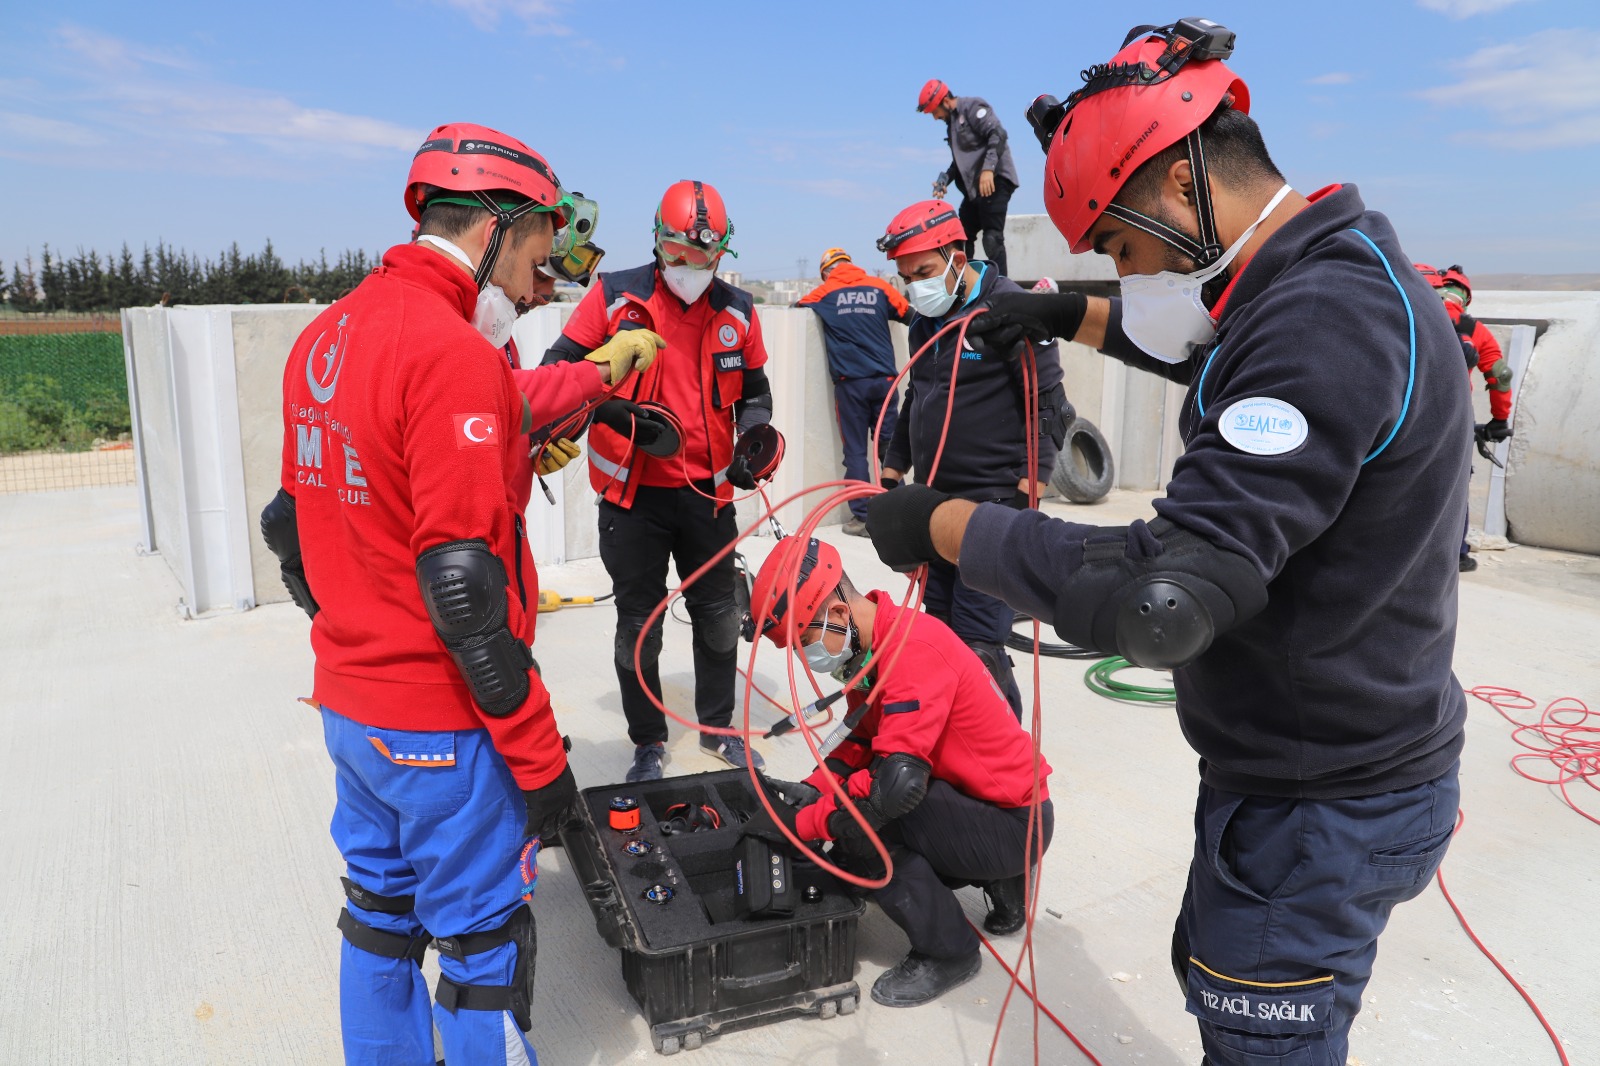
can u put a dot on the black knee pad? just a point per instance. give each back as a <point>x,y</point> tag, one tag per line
<point>716,627</point>
<point>517,997</point>
<point>628,635</point>
<point>380,942</point>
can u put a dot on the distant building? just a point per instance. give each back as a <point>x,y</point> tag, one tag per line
<point>732,277</point>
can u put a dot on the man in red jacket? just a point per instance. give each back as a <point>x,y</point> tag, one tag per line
<point>936,763</point>
<point>1483,352</point>
<point>663,497</point>
<point>395,531</point>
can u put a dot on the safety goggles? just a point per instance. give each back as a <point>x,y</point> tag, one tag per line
<point>577,265</point>
<point>700,249</point>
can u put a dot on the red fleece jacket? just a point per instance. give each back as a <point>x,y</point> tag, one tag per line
<point>937,702</point>
<point>401,433</point>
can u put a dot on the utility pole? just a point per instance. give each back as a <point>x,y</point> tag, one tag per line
<point>800,268</point>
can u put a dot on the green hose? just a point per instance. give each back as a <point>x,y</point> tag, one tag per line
<point>1099,680</point>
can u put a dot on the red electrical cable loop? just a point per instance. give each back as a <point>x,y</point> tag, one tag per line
<point>1563,737</point>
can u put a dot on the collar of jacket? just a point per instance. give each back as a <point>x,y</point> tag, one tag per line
<point>434,271</point>
<point>1330,211</point>
<point>843,276</point>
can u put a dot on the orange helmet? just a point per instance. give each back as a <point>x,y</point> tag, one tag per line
<point>773,614</point>
<point>833,257</point>
<point>1157,91</point>
<point>932,95</point>
<point>924,225</point>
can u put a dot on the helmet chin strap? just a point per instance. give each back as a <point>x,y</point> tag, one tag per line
<point>502,224</point>
<point>1208,248</point>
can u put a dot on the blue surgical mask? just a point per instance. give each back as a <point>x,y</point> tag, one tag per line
<point>823,661</point>
<point>929,297</point>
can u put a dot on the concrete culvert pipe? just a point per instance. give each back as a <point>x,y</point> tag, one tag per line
<point>1084,469</point>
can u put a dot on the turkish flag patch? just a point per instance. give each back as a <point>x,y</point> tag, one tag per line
<point>476,430</point>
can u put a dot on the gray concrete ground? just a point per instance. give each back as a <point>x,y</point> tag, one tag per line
<point>170,889</point>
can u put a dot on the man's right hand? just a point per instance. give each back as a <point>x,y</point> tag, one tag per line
<point>629,419</point>
<point>890,478</point>
<point>629,350</point>
<point>1039,316</point>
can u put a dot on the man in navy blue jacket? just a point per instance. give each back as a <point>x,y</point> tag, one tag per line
<point>1300,580</point>
<point>855,309</point>
<point>975,444</point>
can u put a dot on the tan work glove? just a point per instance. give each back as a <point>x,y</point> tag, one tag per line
<point>632,349</point>
<point>556,454</point>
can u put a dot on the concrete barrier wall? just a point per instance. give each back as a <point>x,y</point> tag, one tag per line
<point>206,389</point>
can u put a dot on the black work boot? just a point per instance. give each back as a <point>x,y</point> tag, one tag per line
<point>1008,908</point>
<point>919,979</point>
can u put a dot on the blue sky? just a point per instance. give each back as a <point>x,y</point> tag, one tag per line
<point>1475,124</point>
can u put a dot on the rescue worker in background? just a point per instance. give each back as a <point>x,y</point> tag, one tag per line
<point>855,309</point>
<point>1483,352</point>
<point>1300,580</point>
<point>984,456</point>
<point>935,763</point>
<point>980,166</point>
<point>395,530</point>
<point>709,376</point>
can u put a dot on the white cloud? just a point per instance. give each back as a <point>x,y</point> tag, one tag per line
<point>1337,77</point>
<point>50,130</point>
<point>155,104</point>
<point>1544,90</point>
<point>1465,9</point>
<point>539,16</point>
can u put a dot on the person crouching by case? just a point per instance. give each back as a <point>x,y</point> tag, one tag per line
<point>935,762</point>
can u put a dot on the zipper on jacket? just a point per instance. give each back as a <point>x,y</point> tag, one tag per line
<point>522,592</point>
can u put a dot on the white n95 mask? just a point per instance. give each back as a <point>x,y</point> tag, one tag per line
<point>686,282</point>
<point>1165,314</point>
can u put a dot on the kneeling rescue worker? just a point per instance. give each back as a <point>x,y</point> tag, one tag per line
<point>1300,580</point>
<point>396,531</point>
<point>674,501</point>
<point>935,762</point>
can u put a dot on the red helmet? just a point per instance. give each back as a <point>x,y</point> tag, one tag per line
<point>1450,275</point>
<point>466,158</point>
<point>932,95</point>
<point>774,615</point>
<point>1155,92</point>
<point>924,225</point>
<point>692,225</point>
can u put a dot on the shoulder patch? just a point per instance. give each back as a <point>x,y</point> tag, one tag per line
<point>902,707</point>
<point>1262,425</point>
<point>981,112</point>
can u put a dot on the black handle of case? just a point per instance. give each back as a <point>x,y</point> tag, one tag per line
<point>759,979</point>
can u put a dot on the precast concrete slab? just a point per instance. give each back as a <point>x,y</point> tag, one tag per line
<point>170,889</point>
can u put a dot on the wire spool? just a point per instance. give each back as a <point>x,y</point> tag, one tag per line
<point>762,449</point>
<point>670,442</point>
<point>1100,681</point>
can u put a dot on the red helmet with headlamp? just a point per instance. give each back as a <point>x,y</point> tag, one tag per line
<point>1157,91</point>
<point>692,225</point>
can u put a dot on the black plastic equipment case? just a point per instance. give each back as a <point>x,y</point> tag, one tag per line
<point>695,966</point>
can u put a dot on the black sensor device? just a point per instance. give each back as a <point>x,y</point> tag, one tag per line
<point>764,881</point>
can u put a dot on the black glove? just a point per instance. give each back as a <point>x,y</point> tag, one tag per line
<point>763,825</point>
<point>794,793</point>
<point>550,807</point>
<point>1039,316</point>
<point>898,522</point>
<point>1496,430</point>
<point>630,420</point>
<point>739,475</point>
<point>890,482</point>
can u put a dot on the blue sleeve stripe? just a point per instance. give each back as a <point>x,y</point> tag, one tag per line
<point>1411,326</point>
<point>1411,374</point>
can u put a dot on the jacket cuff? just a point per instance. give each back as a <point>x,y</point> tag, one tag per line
<point>981,563</point>
<point>811,823</point>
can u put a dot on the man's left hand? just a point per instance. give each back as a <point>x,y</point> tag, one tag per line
<point>898,523</point>
<point>557,454</point>
<point>550,807</point>
<point>764,825</point>
<point>739,475</point>
<point>986,183</point>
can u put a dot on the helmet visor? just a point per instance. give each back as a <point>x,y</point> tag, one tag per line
<point>577,265</point>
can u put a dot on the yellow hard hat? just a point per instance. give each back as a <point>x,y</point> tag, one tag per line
<point>833,257</point>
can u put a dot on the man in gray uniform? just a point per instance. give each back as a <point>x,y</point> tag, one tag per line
<point>980,165</point>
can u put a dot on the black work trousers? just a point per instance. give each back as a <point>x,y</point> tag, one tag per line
<point>949,839</point>
<point>988,213</point>
<point>635,544</point>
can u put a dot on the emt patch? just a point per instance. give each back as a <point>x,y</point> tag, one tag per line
<point>1262,425</point>
<point>1271,1008</point>
<point>476,429</point>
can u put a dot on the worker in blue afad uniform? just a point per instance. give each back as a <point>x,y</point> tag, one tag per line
<point>1300,578</point>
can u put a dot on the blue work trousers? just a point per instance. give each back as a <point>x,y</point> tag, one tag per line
<point>435,816</point>
<point>1286,899</point>
<point>856,402</point>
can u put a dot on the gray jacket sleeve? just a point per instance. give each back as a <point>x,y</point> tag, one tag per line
<point>986,124</point>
